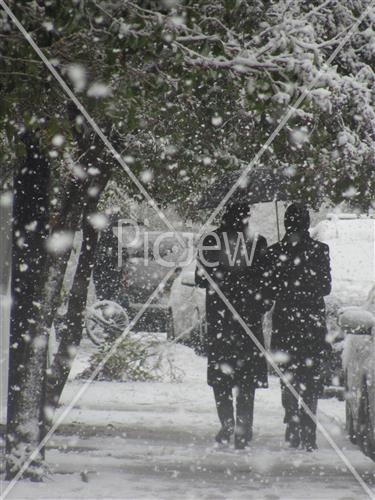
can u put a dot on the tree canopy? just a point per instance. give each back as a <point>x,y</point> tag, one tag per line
<point>189,89</point>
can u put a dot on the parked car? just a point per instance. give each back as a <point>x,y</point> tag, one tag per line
<point>351,240</point>
<point>150,257</point>
<point>358,323</point>
<point>187,303</point>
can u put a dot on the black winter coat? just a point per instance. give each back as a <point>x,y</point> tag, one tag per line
<point>297,277</point>
<point>233,358</point>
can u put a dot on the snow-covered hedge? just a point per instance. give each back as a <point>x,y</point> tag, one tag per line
<point>139,357</point>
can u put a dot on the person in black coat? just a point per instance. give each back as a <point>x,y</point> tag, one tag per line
<point>233,359</point>
<point>297,276</point>
<point>108,276</point>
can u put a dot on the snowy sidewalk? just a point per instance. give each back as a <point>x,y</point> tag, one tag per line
<point>153,440</point>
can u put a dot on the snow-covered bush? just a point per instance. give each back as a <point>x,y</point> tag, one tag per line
<point>130,361</point>
<point>137,358</point>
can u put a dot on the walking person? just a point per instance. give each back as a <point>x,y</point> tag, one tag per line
<point>297,276</point>
<point>232,256</point>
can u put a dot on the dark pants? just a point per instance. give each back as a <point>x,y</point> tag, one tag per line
<point>244,408</point>
<point>308,390</point>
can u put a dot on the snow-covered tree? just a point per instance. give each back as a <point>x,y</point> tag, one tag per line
<point>184,90</point>
<point>187,89</point>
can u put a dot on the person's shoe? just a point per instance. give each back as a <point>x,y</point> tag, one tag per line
<point>242,439</point>
<point>292,434</point>
<point>308,438</point>
<point>223,436</point>
<point>309,443</point>
<point>240,442</point>
<point>310,447</point>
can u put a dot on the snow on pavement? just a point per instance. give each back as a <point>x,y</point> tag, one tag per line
<point>154,440</point>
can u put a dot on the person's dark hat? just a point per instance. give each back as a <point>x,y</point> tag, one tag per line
<point>297,218</point>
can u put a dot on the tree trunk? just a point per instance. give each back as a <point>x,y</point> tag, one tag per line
<point>89,195</point>
<point>72,332</point>
<point>68,220</point>
<point>28,346</point>
<point>74,319</point>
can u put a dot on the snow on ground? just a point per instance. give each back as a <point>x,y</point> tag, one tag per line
<point>154,440</point>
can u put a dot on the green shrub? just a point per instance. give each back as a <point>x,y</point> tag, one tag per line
<point>133,360</point>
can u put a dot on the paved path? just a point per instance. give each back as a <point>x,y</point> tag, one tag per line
<point>155,441</point>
